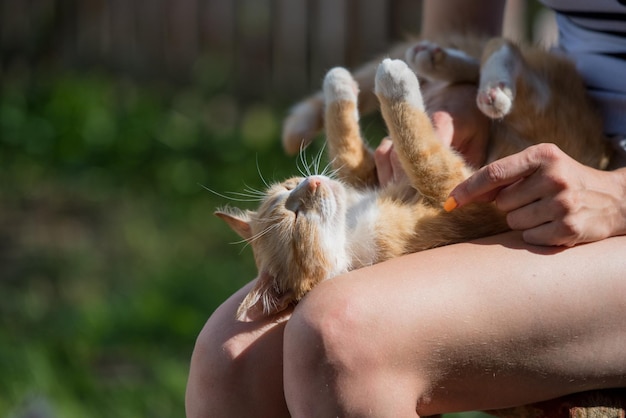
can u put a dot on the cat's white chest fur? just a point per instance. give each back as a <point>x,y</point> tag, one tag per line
<point>361,218</point>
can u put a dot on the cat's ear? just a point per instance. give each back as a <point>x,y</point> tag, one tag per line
<point>265,299</point>
<point>238,222</point>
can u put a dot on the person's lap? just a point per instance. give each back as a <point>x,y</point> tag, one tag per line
<point>468,326</point>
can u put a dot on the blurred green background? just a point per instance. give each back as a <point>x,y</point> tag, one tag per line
<point>114,116</point>
<point>110,258</point>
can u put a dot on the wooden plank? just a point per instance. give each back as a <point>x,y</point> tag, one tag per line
<point>181,36</point>
<point>253,44</point>
<point>93,41</point>
<point>15,23</point>
<point>149,22</point>
<point>328,37</point>
<point>372,31</point>
<point>218,24</point>
<point>290,48</point>
<point>405,18</point>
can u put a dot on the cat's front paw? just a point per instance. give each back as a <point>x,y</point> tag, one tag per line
<point>340,86</point>
<point>397,82</point>
<point>495,99</point>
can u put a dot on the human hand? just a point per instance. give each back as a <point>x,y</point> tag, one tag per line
<point>388,166</point>
<point>549,196</point>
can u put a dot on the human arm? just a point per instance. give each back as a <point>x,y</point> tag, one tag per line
<point>549,196</point>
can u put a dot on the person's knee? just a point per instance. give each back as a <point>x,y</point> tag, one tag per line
<point>327,330</point>
<point>337,346</point>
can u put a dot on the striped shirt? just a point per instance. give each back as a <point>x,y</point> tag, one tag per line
<point>593,34</point>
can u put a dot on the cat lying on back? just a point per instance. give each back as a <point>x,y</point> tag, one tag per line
<point>309,229</point>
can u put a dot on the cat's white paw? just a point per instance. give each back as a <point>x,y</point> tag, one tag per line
<point>340,86</point>
<point>495,100</point>
<point>396,81</point>
<point>496,90</point>
<point>425,57</point>
<point>433,62</point>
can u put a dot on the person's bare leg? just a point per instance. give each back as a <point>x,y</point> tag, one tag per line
<point>236,367</point>
<point>482,325</point>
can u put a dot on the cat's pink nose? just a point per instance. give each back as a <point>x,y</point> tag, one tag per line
<point>314,183</point>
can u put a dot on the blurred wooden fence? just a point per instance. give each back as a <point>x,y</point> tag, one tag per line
<point>262,44</point>
<point>261,47</point>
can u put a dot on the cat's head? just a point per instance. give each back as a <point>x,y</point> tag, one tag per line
<point>298,238</point>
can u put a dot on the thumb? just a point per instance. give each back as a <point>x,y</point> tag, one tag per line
<point>444,127</point>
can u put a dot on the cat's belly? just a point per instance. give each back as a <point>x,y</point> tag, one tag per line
<point>361,234</point>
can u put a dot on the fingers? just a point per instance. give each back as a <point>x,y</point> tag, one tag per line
<point>553,233</point>
<point>546,194</point>
<point>442,122</point>
<point>388,166</point>
<point>486,183</point>
<point>382,158</point>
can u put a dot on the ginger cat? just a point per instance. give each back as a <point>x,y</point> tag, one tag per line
<point>309,229</point>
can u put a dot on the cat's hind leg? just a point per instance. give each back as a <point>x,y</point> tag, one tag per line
<point>503,71</point>
<point>350,157</point>
<point>433,62</point>
<point>433,168</point>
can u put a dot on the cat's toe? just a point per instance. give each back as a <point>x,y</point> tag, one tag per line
<point>339,85</point>
<point>495,100</point>
<point>396,81</point>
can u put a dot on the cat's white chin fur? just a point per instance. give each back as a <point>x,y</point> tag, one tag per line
<point>396,81</point>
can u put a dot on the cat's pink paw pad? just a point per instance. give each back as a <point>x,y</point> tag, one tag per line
<point>396,81</point>
<point>495,100</point>
<point>339,85</point>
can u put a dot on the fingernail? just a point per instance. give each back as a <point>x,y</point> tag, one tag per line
<point>450,204</point>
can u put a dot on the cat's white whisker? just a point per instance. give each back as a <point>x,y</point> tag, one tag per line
<point>300,161</point>
<point>258,170</point>
<point>254,192</point>
<point>259,234</point>
<point>333,173</point>
<point>328,170</point>
<point>235,196</point>
<point>318,159</point>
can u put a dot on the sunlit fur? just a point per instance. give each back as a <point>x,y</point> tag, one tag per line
<point>312,228</point>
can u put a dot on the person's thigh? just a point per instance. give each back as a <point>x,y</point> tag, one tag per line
<point>236,367</point>
<point>481,325</point>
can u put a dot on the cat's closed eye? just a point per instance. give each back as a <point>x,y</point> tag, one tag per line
<point>291,184</point>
